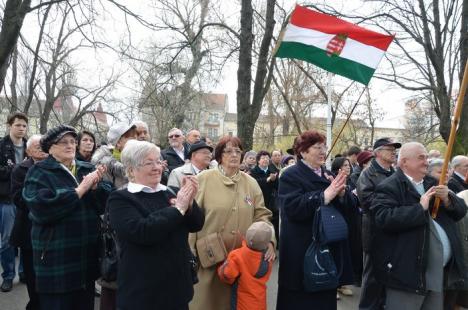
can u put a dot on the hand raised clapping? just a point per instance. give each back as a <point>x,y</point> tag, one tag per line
<point>336,188</point>
<point>187,193</point>
<point>90,181</point>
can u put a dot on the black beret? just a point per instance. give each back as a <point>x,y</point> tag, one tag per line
<point>54,134</point>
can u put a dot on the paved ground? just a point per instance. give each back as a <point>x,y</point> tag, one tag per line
<point>18,297</point>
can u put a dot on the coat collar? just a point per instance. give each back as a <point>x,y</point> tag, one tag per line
<point>50,163</point>
<point>229,181</point>
<point>428,182</point>
<point>310,174</point>
<point>378,168</point>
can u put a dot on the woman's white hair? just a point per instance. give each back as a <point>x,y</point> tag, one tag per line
<point>135,152</point>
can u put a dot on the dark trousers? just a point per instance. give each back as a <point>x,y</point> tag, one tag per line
<point>28,269</point>
<point>300,300</point>
<point>372,292</point>
<point>76,300</point>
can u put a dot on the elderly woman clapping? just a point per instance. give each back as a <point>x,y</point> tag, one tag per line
<point>65,198</point>
<point>152,226</point>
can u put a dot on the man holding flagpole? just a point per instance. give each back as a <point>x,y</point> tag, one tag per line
<point>414,256</point>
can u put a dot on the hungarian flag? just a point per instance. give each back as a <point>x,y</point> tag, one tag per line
<point>333,44</point>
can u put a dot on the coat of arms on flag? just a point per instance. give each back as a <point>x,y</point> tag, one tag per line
<point>333,44</point>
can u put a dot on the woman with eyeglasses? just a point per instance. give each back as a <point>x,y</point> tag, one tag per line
<point>232,201</point>
<point>152,225</point>
<point>303,188</point>
<point>65,198</point>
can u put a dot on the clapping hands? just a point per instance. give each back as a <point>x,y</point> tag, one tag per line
<point>187,193</point>
<point>90,180</point>
<point>336,188</point>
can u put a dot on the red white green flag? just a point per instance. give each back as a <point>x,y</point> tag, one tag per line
<point>333,44</point>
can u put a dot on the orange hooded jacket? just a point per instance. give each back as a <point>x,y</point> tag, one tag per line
<point>248,272</point>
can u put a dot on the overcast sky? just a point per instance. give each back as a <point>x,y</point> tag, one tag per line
<point>95,65</point>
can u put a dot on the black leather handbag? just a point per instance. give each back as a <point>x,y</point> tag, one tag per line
<point>320,271</point>
<point>110,251</point>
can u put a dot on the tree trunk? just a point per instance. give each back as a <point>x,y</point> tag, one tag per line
<point>14,76</point>
<point>13,16</point>
<point>247,110</point>
<point>244,75</point>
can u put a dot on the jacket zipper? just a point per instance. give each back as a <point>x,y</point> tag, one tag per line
<point>422,258</point>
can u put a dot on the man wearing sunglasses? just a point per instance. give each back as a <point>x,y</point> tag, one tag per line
<point>177,152</point>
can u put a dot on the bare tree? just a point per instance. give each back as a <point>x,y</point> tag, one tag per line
<point>420,122</point>
<point>177,68</point>
<point>429,47</point>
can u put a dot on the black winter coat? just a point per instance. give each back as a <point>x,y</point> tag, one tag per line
<point>457,184</point>
<point>173,160</point>
<point>7,163</point>
<point>365,187</point>
<point>301,193</point>
<point>269,189</point>
<point>21,232</point>
<point>154,269</point>
<point>400,250</point>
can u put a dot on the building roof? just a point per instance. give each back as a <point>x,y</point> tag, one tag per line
<point>230,117</point>
<point>215,101</point>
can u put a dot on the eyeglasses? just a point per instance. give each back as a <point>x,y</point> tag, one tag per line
<point>320,147</point>
<point>204,152</point>
<point>233,151</point>
<point>66,142</point>
<point>174,136</point>
<point>151,164</point>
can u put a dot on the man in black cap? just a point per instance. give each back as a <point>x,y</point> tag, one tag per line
<point>381,167</point>
<point>200,155</point>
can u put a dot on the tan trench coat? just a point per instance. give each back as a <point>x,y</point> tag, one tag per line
<point>236,201</point>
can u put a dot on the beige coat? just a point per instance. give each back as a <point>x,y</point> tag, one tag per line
<point>236,201</point>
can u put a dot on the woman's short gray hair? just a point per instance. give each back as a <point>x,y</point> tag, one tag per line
<point>135,152</point>
<point>434,164</point>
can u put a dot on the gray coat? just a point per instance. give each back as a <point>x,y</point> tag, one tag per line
<point>175,178</point>
<point>115,173</point>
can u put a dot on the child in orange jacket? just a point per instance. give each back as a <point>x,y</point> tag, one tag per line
<point>247,270</point>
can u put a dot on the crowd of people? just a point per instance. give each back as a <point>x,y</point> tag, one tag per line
<point>199,225</point>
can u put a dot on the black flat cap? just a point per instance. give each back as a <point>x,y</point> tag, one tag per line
<point>54,135</point>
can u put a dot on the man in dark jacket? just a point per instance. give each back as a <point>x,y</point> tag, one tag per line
<point>12,151</point>
<point>381,167</point>
<point>21,233</point>
<point>460,173</point>
<point>177,152</point>
<point>411,251</point>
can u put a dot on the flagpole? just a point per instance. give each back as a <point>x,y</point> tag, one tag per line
<point>453,133</point>
<point>345,123</point>
<point>329,118</point>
